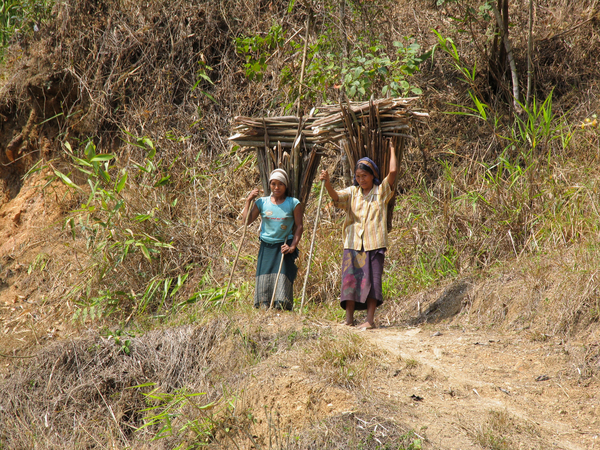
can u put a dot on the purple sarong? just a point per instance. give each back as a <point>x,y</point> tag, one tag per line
<point>361,277</point>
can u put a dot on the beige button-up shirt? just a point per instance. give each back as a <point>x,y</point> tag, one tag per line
<point>366,216</point>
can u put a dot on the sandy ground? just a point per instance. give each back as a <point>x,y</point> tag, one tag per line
<point>453,383</point>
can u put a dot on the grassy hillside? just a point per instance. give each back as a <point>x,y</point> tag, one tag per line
<point>120,197</point>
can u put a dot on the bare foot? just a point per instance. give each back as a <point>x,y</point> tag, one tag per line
<point>367,326</point>
<point>349,324</point>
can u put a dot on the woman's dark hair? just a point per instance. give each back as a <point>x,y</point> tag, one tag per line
<point>364,167</point>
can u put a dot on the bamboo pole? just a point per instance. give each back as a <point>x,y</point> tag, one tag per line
<point>237,256</point>
<point>277,281</point>
<point>312,245</point>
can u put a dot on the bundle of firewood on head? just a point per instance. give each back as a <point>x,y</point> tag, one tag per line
<point>363,129</point>
<point>282,143</point>
<point>296,144</point>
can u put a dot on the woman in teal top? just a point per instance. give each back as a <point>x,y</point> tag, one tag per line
<point>280,231</point>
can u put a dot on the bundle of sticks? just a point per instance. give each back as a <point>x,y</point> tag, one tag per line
<point>296,144</point>
<point>270,131</point>
<point>282,143</point>
<point>364,129</point>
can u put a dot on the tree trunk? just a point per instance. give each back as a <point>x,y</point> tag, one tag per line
<point>529,53</point>
<point>346,169</point>
<point>503,25</point>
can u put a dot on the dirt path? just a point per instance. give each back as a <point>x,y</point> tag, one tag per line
<point>472,389</point>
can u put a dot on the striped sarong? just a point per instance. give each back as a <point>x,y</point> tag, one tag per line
<point>269,257</point>
<point>361,277</point>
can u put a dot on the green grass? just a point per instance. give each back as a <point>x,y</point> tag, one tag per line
<point>21,16</point>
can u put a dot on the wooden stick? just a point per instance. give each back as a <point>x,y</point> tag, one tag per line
<point>304,53</point>
<point>238,251</point>
<point>277,281</point>
<point>312,245</point>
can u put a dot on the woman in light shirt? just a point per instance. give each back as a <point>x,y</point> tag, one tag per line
<point>365,236</point>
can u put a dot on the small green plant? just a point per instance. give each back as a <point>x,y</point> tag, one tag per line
<point>190,422</point>
<point>178,414</point>
<point>117,336</point>
<point>21,16</point>
<point>202,78</point>
<point>115,230</point>
<point>539,127</point>
<point>256,50</point>
<point>411,364</point>
<point>40,263</point>
<point>104,304</point>
<point>367,68</point>
<point>411,441</point>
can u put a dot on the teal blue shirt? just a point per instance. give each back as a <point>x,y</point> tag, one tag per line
<point>277,220</point>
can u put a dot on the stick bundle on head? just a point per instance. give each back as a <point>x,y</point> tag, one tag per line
<point>295,144</point>
<point>367,128</point>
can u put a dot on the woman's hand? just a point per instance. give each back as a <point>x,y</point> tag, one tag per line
<point>252,195</point>
<point>288,248</point>
<point>324,177</point>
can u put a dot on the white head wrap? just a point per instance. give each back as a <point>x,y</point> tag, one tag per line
<point>280,175</point>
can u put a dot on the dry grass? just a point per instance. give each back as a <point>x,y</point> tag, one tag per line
<point>342,360</point>
<point>104,385</point>
<point>368,430</point>
<point>528,237</point>
<point>91,382</point>
<point>75,392</point>
<point>502,431</point>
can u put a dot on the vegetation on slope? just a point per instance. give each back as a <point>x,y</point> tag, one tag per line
<point>119,112</point>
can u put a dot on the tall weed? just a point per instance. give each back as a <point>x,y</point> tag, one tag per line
<point>123,217</point>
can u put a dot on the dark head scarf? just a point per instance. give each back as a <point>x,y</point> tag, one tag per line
<point>369,165</point>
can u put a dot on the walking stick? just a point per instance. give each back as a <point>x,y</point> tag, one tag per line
<point>238,251</point>
<point>312,245</point>
<point>277,281</point>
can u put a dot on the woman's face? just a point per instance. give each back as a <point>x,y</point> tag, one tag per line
<point>277,188</point>
<point>364,179</point>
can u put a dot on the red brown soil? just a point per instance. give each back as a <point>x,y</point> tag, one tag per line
<point>27,226</point>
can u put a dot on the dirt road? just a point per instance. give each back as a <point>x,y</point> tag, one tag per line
<point>469,389</point>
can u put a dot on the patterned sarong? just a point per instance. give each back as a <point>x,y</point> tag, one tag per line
<point>269,257</point>
<point>361,277</point>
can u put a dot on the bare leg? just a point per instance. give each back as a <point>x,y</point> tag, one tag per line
<point>349,313</point>
<point>371,306</point>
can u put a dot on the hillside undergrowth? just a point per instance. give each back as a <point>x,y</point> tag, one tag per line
<point>117,115</point>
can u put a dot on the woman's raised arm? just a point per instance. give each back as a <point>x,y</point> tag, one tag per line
<point>393,164</point>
